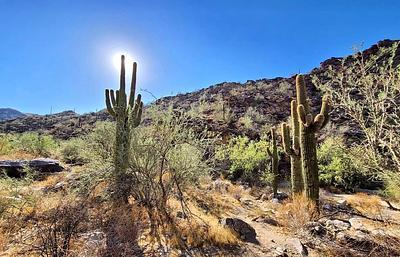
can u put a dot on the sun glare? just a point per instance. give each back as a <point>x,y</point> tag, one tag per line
<point>116,60</point>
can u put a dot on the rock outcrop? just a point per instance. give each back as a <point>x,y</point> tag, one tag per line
<point>17,168</point>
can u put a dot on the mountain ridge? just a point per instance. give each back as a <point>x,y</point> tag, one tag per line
<point>265,101</point>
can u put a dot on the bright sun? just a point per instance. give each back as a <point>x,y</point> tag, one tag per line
<point>116,60</point>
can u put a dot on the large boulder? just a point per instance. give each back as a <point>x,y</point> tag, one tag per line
<point>17,168</point>
<point>244,230</point>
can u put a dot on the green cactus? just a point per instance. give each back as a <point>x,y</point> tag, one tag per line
<point>293,148</point>
<point>273,153</point>
<point>309,125</point>
<point>128,113</point>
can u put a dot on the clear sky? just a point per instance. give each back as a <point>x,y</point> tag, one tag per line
<point>58,54</point>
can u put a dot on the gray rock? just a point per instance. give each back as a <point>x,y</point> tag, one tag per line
<point>357,223</point>
<point>280,252</point>
<point>244,230</point>
<point>315,228</point>
<point>337,225</point>
<point>280,196</point>
<point>298,246</point>
<point>15,168</point>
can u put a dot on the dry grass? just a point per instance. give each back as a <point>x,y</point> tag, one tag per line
<point>50,180</point>
<point>18,155</point>
<point>370,205</point>
<point>296,212</point>
<point>201,229</point>
<point>236,191</point>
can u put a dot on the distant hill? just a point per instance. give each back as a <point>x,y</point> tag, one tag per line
<point>62,125</point>
<point>10,114</point>
<point>265,101</point>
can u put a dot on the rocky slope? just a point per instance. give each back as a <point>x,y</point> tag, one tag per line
<point>62,125</point>
<point>227,108</point>
<point>9,114</point>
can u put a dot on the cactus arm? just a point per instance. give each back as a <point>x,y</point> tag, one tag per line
<point>122,76</point>
<point>137,111</point>
<point>301,93</point>
<point>108,103</point>
<point>295,127</point>
<point>318,121</point>
<point>325,109</point>
<point>133,86</point>
<point>112,95</point>
<point>117,96</point>
<point>301,113</point>
<point>286,139</point>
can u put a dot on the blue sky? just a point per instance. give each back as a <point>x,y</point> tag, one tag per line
<point>58,54</point>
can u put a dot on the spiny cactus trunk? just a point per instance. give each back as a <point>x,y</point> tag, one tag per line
<point>273,153</point>
<point>309,163</point>
<point>296,175</point>
<point>121,157</point>
<point>275,172</point>
<point>309,125</point>
<point>292,148</point>
<point>128,113</point>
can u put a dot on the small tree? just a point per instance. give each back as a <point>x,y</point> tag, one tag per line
<point>166,156</point>
<point>367,90</point>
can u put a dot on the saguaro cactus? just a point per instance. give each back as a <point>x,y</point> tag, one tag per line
<point>128,113</point>
<point>292,148</point>
<point>273,153</point>
<point>309,125</point>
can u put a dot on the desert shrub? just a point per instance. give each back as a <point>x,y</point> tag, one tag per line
<point>247,158</point>
<point>35,144</point>
<point>296,213</point>
<point>73,151</point>
<point>98,151</point>
<point>55,229</point>
<point>222,110</point>
<point>198,108</point>
<point>365,88</point>
<point>166,156</point>
<point>344,167</point>
<point>255,115</point>
<point>123,229</point>
<point>259,98</point>
<point>246,121</point>
<point>392,185</point>
<point>99,144</point>
<point>5,144</point>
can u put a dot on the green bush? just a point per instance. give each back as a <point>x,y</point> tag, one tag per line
<point>392,185</point>
<point>35,144</point>
<point>246,158</point>
<point>5,144</point>
<point>99,144</point>
<point>345,167</point>
<point>73,151</point>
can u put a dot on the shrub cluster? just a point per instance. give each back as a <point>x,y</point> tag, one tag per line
<point>345,167</point>
<point>247,159</point>
<point>29,142</point>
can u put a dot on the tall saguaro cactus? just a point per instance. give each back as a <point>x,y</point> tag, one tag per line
<point>273,153</point>
<point>127,113</point>
<point>292,148</point>
<point>309,125</point>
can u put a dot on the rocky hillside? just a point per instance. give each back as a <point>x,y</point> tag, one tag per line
<point>61,125</point>
<point>9,114</point>
<point>264,101</point>
<point>227,108</point>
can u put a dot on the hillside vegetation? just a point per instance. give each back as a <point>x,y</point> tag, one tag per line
<point>300,166</point>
